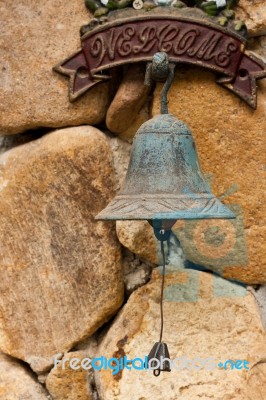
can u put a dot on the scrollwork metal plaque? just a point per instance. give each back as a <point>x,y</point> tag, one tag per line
<point>184,38</point>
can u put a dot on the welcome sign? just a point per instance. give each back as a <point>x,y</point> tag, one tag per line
<point>185,39</point>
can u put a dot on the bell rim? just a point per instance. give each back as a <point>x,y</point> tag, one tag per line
<point>145,207</point>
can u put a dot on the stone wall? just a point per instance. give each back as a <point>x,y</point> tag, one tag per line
<point>74,288</point>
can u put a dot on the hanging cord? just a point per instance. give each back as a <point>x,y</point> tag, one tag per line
<point>162,289</point>
<point>157,372</point>
<point>160,349</point>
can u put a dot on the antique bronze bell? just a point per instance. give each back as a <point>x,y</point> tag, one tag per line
<point>164,183</point>
<point>164,180</point>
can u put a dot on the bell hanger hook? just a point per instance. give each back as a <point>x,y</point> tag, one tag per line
<point>160,69</point>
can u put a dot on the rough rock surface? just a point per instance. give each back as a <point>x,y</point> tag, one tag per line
<point>61,274</point>
<point>257,381</point>
<point>230,141</point>
<point>203,318</point>
<point>260,295</point>
<point>214,244</point>
<point>253,12</point>
<point>10,141</point>
<point>138,237</point>
<point>71,379</point>
<point>35,36</point>
<point>121,155</point>
<point>137,271</point>
<point>2,145</point>
<point>16,383</point>
<point>258,47</point>
<point>130,97</point>
<point>142,116</point>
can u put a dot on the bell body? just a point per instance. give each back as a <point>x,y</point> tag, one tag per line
<point>164,180</point>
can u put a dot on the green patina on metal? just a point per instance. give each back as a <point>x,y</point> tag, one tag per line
<point>164,179</point>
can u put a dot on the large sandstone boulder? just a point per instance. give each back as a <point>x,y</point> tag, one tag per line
<point>16,383</point>
<point>35,36</point>
<point>61,275</point>
<point>205,317</point>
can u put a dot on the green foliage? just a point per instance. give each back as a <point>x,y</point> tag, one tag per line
<point>118,4</point>
<point>210,7</point>
<point>91,5</point>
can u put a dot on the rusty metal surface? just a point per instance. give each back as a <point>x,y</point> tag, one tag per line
<point>185,39</point>
<point>164,180</point>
